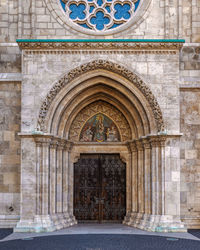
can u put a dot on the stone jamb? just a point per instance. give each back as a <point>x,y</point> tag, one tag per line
<point>46,218</point>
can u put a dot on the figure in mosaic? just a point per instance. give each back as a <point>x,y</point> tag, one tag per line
<point>87,135</point>
<point>99,128</point>
<point>99,133</point>
<point>111,134</point>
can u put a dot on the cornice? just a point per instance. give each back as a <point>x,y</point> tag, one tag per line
<point>119,45</point>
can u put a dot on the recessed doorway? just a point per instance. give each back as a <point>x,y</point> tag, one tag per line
<point>99,188</point>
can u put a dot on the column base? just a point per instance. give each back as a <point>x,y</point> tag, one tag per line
<point>45,223</point>
<point>127,218</point>
<point>157,223</point>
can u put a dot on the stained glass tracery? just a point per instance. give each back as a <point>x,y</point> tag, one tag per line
<point>100,15</point>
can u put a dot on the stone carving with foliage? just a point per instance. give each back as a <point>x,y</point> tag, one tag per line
<point>105,65</point>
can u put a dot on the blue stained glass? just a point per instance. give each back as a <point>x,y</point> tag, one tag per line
<point>122,11</point>
<point>91,9</point>
<point>99,2</point>
<point>77,11</point>
<point>84,25</point>
<point>107,12</point>
<point>108,9</point>
<point>63,5</point>
<point>100,20</point>
<point>137,4</point>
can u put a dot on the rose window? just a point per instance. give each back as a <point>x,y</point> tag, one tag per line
<point>100,15</point>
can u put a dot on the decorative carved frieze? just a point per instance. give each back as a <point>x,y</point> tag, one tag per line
<point>105,65</point>
<point>95,46</point>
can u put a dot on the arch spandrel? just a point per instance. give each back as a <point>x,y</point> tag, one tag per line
<point>130,83</point>
<point>106,109</point>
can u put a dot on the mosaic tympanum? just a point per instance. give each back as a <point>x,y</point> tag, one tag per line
<point>99,128</point>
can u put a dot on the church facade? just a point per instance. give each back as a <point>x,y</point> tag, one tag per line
<point>99,114</point>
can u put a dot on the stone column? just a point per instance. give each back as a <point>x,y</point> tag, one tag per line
<point>134,187</point>
<point>52,178</point>
<point>147,175</point>
<point>147,183</point>
<point>65,207</point>
<point>42,219</point>
<point>59,172</point>
<point>71,189</point>
<point>38,176</point>
<point>29,186</point>
<point>140,182</point>
<point>36,199</point>
<point>60,222</point>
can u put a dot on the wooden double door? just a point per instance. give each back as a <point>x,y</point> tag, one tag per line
<point>99,188</point>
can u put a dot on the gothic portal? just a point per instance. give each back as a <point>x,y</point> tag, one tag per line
<point>99,114</point>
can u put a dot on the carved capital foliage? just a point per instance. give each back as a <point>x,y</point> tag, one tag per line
<point>105,65</point>
<point>146,143</point>
<point>132,146</point>
<point>53,142</point>
<point>158,141</point>
<point>43,140</point>
<point>139,145</point>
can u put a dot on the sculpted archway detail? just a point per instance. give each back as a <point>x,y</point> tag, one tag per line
<point>83,121</point>
<point>107,66</point>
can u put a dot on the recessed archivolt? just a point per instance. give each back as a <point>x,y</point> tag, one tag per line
<point>108,66</point>
<point>100,107</point>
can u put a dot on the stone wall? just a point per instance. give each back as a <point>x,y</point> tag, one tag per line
<point>159,71</point>
<point>190,157</point>
<point>37,19</point>
<point>190,64</point>
<point>10,109</point>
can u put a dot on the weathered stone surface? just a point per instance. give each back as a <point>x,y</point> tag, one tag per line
<point>172,78</point>
<point>190,163</point>
<point>10,107</point>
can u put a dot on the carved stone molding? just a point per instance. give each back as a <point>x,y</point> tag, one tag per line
<point>105,65</point>
<point>55,47</point>
<point>48,140</point>
<point>147,142</point>
<point>100,107</point>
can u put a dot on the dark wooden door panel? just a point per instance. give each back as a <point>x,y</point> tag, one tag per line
<point>113,187</point>
<point>99,188</point>
<point>86,188</point>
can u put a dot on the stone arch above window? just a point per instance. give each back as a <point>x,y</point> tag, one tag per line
<point>87,124</point>
<point>98,17</point>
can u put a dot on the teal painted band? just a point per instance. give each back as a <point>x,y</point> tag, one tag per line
<point>100,40</point>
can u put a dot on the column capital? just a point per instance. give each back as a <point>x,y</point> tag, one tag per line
<point>146,143</point>
<point>54,143</point>
<point>132,146</point>
<point>157,140</point>
<point>139,145</point>
<point>68,145</point>
<point>43,140</point>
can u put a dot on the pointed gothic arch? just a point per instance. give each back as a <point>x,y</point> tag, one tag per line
<point>96,76</point>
